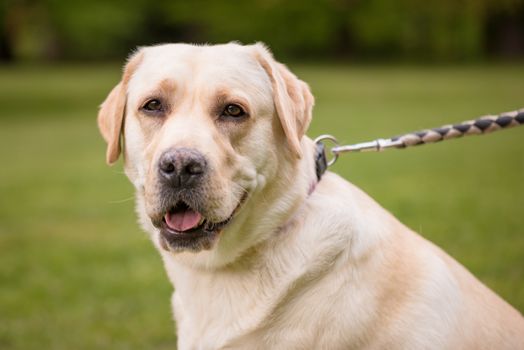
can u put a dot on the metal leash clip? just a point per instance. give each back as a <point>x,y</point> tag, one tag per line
<point>321,149</point>
<point>377,145</point>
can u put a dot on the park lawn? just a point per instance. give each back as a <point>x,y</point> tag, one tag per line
<point>76,272</point>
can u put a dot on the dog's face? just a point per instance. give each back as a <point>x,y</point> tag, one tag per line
<point>205,130</point>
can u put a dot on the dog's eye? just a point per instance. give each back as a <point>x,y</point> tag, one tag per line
<point>153,106</point>
<point>234,111</point>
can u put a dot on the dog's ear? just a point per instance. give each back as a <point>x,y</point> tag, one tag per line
<point>112,111</point>
<point>293,99</point>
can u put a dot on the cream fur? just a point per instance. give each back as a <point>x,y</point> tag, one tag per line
<point>330,270</point>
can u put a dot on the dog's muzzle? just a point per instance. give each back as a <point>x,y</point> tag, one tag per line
<point>181,220</point>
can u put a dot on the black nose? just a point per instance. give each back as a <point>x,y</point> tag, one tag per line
<point>182,167</point>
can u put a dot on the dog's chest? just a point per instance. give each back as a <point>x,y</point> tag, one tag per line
<point>224,309</point>
<point>213,317</point>
<point>240,313</point>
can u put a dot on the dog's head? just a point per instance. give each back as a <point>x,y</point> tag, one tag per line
<point>209,134</point>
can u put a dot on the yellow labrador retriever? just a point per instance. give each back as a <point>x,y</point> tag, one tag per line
<point>261,253</point>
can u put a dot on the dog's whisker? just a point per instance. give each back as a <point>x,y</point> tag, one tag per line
<point>118,201</point>
<point>120,172</point>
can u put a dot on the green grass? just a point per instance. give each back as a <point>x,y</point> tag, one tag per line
<point>76,272</point>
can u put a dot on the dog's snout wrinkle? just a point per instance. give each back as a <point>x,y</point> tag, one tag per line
<point>182,167</point>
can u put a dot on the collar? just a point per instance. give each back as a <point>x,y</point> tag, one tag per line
<point>320,160</point>
<point>320,165</point>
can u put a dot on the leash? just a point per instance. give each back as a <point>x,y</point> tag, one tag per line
<point>483,125</point>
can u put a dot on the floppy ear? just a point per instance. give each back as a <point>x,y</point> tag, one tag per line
<point>293,99</point>
<point>110,119</point>
<point>112,111</point>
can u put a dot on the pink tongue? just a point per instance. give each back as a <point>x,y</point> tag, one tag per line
<point>183,220</point>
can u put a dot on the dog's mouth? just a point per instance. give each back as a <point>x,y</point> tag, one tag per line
<point>185,228</point>
<point>182,219</point>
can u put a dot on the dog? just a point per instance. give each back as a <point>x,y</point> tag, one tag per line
<point>264,252</point>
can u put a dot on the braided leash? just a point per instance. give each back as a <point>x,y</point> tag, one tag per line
<point>482,125</point>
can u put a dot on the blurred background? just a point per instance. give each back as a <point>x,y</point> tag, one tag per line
<point>378,30</point>
<point>76,272</point>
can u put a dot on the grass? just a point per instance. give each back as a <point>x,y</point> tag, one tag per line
<point>76,272</point>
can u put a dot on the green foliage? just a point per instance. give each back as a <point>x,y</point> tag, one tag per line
<point>96,29</point>
<point>430,29</point>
